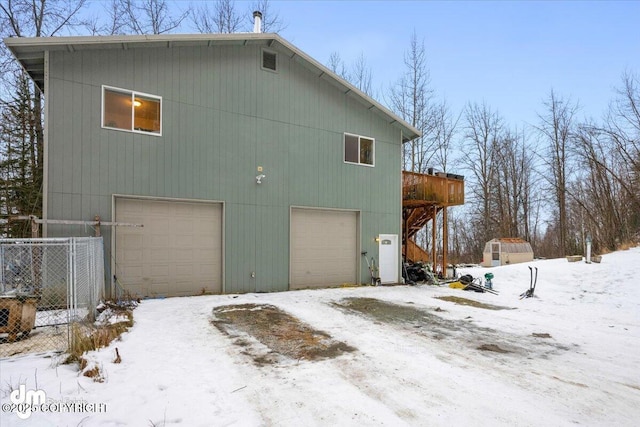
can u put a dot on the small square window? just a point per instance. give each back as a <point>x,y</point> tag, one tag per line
<point>131,111</point>
<point>359,150</point>
<point>269,60</point>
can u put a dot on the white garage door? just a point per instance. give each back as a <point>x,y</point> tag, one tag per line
<point>178,251</point>
<point>324,248</point>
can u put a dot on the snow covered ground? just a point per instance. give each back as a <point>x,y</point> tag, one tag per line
<point>582,368</point>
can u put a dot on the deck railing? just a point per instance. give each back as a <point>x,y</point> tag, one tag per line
<point>443,189</point>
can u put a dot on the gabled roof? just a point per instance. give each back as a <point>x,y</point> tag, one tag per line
<point>510,245</point>
<point>30,51</point>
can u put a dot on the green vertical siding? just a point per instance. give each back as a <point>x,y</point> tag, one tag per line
<point>223,116</point>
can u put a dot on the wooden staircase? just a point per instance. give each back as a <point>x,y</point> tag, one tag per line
<point>416,253</point>
<point>417,218</point>
<point>424,196</point>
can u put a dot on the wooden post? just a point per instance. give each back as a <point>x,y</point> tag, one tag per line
<point>406,213</point>
<point>445,241</point>
<point>97,220</point>
<point>434,236</point>
<point>34,227</point>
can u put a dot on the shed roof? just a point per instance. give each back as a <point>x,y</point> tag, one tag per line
<point>30,51</point>
<point>511,245</point>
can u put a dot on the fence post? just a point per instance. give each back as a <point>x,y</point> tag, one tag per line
<point>97,220</point>
<point>34,227</point>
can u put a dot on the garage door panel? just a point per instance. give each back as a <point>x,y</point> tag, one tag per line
<point>183,227</point>
<point>131,209</point>
<point>184,270</point>
<point>160,240</point>
<point>184,240</point>
<point>164,257</point>
<point>160,288</point>
<point>157,270</point>
<point>135,271</point>
<point>184,255</point>
<point>155,222</point>
<point>132,254</point>
<point>157,256</point>
<point>207,269</point>
<point>324,245</point>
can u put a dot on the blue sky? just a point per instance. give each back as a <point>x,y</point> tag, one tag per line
<point>509,54</point>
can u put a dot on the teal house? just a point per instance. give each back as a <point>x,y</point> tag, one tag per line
<point>251,166</point>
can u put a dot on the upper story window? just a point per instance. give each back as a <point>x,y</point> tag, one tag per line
<point>131,111</point>
<point>359,149</point>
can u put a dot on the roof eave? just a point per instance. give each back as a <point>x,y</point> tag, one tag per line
<point>30,52</point>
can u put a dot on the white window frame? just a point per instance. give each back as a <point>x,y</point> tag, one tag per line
<point>344,147</point>
<point>134,94</point>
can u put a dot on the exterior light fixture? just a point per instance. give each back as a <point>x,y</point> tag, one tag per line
<point>261,176</point>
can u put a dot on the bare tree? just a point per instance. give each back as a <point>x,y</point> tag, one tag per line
<point>150,16</point>
<point>622,127</point>
<point>608,194</point>
<point>444,129</point>
<point>34,18</point>
<point>598,202</point>
<point>411,99</point>
<point>21,127</point>
<point>337,65</point>
<point>556,127</point>
<point>483,130</point>
<point>512,195</point>
<point>531,203</point>
<point>361,75</point>
<point>111,21</point>
<point>223,17</point>
<point>38,18</point>
<point>203,19</point>
<point>623,130</point>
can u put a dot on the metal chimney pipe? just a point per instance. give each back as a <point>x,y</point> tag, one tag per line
<point>257,22</point>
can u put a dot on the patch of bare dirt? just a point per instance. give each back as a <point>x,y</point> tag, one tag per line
<point>493,347</point>
<point>426,322</point>
<point>541,335</point>
<point>472,303</point>
<point>279,333</point>
<point>387,312</point>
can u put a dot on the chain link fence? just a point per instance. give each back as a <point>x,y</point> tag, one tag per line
<point>46,285</point>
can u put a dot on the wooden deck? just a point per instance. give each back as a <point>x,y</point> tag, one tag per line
<point>424,196</point>
<point>429,190</point>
